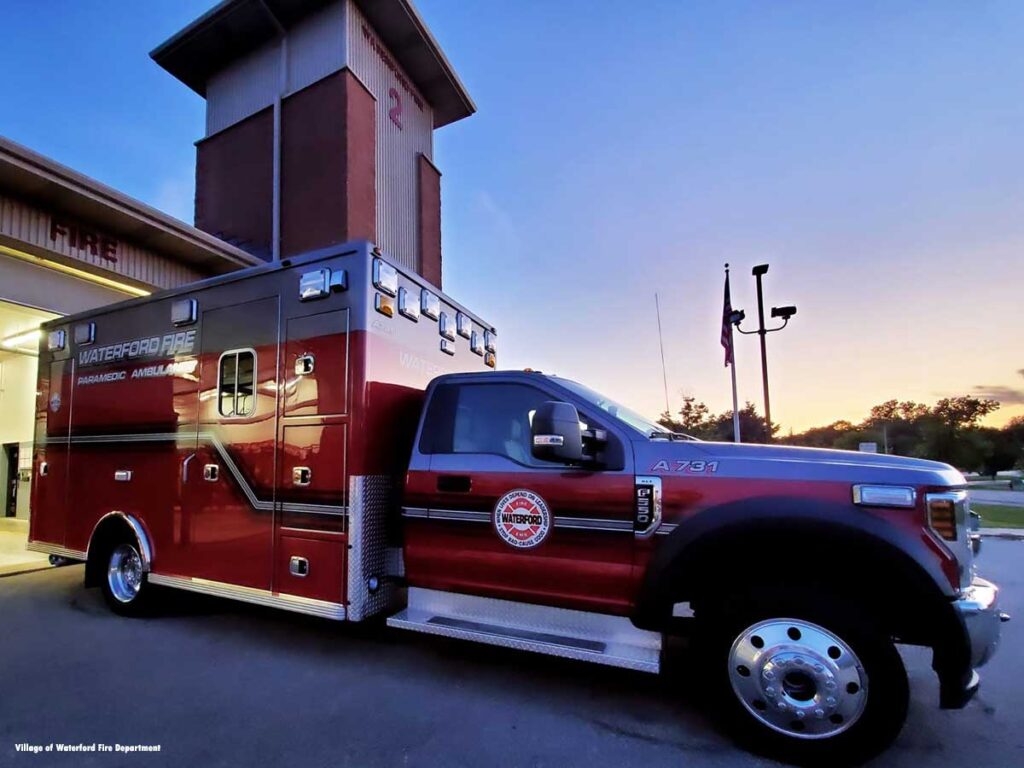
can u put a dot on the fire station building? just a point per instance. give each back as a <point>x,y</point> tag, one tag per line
<point>67,244</point>
<point>319,129</point>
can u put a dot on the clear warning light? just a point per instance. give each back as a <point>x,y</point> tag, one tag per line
<point>430,304</point>
<point>445,326</point>
<point>385,277</point>
<point>55,341</point>
<point>409,304</point>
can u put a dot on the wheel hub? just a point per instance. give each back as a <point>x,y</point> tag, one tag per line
<point>124,574</point>
<point>798,678</point>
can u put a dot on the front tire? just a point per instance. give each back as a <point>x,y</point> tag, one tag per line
<point>125,588</point>
<point>809,681</point>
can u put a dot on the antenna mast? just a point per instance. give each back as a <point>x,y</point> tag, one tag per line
<point>661,343</point>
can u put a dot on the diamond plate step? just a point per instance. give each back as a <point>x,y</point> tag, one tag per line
<point>599,638</point>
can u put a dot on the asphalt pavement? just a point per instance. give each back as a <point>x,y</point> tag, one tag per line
<point>216,683</point>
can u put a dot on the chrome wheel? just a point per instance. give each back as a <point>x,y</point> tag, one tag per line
<point>124,573</point>
<point>797,678</point>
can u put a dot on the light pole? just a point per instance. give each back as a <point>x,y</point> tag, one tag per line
<point>785,313</point>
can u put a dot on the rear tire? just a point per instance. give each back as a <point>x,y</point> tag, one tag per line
<point>125,586</point>
<point>804,678</point>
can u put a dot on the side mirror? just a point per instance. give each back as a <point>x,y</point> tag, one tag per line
<point>556,434</point>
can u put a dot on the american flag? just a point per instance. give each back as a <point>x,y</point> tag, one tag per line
<point>726,325</point>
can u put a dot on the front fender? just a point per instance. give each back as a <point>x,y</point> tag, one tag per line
<point>675,571</point>
<point>888,568</point>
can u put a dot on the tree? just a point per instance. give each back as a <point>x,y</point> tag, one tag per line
<point>695,419</point>
<point>820,437</point>
<point>948,431</point>
<point>961,412</point>
<point>1003,451</point>
<point>752,426</point>
<point>894,410</point>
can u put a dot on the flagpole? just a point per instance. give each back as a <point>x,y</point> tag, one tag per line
<point>732,371</point>
<point>735,401</point>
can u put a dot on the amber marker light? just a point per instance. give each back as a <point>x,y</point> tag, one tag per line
<point>942,518</point>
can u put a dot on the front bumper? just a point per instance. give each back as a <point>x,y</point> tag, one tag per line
<point>979,611</point>
<point>978,614</point>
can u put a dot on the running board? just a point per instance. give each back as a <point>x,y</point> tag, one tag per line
<point>595,637</point>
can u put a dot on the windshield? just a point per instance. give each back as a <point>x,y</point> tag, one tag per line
<point>609,406</point>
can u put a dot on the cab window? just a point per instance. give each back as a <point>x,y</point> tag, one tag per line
<point>488,418</point>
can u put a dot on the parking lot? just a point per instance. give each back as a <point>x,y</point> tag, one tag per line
<point>218,683</point>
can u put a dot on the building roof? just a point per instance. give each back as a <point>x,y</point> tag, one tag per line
<point>30,176</point>
<point>233,28</point>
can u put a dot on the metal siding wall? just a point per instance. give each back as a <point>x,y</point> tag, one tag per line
<point>244,88</point>
<point>397,149</point>
<point>316,47</point>
<point>32,226</point>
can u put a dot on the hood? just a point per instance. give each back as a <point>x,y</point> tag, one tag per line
<point>789,462</point>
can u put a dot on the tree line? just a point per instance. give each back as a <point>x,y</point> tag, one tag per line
<point>948,431</point>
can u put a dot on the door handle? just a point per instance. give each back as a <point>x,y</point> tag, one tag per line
<point>454,483</point>
<point>211,472</point>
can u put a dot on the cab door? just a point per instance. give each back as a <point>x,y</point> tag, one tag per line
<point>225,532</point>
<point>503,524</point>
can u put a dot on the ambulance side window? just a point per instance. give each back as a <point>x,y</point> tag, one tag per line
<point>236,383</point>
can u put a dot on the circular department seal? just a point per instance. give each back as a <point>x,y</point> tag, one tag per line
<point>522,519</point>
<point>55,402</point>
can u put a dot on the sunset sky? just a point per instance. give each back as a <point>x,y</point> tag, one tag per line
<point>872,153</point>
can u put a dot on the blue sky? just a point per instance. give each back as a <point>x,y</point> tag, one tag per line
<point>870,152</point>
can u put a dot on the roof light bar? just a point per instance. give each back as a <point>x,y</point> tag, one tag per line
<point>184,311</point>
<point>314,285</point>
<point>385,305</point>
<point>385,277</point>
<point>409,304</point>
<point>56,341</point>
<point>430,305</point>
<point>85,334</point>
<point>446,327</point>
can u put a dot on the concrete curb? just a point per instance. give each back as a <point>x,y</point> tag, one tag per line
<point>18,568</point>
<point>1016,534</point>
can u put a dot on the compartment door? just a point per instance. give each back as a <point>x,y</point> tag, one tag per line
<point>311,542</point>
<point>48,521</point>
<point>226,526</point>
